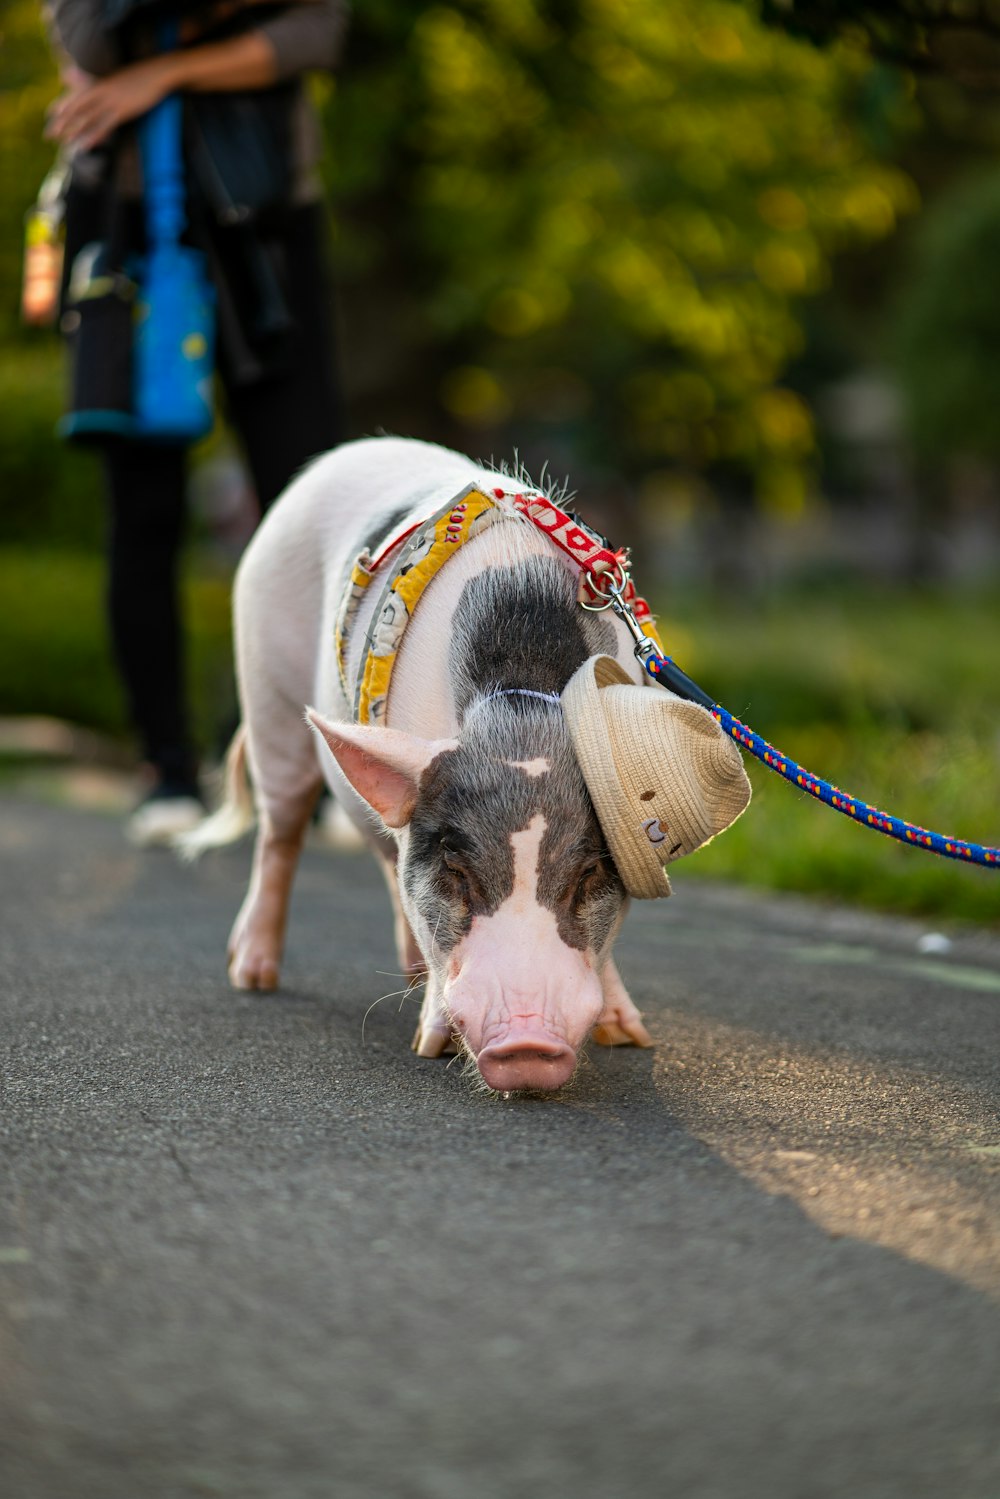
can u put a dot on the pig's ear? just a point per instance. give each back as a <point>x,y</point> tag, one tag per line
<point>383,765</point>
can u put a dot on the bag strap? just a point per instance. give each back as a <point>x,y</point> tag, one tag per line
<point>162,160</point>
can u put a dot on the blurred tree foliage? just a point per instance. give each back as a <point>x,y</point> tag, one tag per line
<point>28,83</point>
<point>47,491</point>
<point>942,333</point>
<point>956,38</point>
<point>584,226</point>
<point>945,328</point>
<point>589,224</point>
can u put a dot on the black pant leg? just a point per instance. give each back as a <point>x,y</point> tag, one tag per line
<point>283,421</point>
<point>145,485</point>
<point>294,415</point>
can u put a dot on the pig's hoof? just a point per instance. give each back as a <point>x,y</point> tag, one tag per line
<point>434,1040</point>
<point>254,972</point>
<point>617,1029</point>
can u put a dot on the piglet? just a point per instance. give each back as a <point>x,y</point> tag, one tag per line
<point>467,789</point>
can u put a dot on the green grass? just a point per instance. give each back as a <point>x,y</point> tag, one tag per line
<point>50,489</point>
<point>893,696</point>
<point>54,652</point>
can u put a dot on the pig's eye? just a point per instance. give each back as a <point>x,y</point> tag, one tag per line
<point>455,865</point>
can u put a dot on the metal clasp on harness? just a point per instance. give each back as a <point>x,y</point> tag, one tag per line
<point>612,591</point>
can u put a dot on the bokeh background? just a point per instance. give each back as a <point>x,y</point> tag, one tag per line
<point>730,267</point>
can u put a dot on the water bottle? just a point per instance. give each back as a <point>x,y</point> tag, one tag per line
<point>43,250</point>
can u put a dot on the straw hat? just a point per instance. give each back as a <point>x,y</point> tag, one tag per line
<point>663,777</point>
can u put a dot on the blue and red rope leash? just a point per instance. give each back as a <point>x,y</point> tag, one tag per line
<point>663,669</point>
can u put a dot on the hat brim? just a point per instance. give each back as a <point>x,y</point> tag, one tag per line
<point>662,775</point>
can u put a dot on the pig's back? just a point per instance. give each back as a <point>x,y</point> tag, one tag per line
<point>338,501</point>
<point>292,576</point>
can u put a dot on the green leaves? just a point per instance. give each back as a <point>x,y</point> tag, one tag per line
<point>632,196</point>
<point>946,328</point>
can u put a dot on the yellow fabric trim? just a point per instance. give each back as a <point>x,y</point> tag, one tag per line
<point>361,576</point>
<point>421,563</point>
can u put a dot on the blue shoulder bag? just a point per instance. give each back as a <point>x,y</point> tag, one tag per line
<point>143,336</point>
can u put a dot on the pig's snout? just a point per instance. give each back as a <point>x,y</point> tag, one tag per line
<point>526,1061</point>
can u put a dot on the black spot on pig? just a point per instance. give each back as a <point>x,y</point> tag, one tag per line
<point>520,626</point>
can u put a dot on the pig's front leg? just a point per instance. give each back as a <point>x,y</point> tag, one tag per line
<point>619,1023</point>
<point>411,960</point>
<point>257,940</point>
<point>434,1037</point>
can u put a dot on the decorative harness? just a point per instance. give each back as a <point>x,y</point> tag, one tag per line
<point>419,552</point>
<point>423,548</point>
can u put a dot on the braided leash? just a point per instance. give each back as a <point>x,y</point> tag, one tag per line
<point>606,575</point>
<point>664,669</point>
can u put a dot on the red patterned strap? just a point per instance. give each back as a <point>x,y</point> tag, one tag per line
<point>591,553</point>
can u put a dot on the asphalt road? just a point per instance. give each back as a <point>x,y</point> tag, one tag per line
<point>252,1246</point>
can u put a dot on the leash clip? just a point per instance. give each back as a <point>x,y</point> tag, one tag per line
<point>612,590</point>
<point>604,586</point>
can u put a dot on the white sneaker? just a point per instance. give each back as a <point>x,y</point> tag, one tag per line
<point>158,821</point>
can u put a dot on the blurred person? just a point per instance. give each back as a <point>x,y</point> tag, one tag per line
<point>254,206</point>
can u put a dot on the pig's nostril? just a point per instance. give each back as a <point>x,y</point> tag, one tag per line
<point>541,1064</point>
<point>525,1056</point>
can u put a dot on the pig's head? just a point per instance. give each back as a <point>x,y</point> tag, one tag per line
<point>504,876</point>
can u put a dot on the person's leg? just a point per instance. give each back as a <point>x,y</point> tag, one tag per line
<point>145,485</point>
<point>294,414</point>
